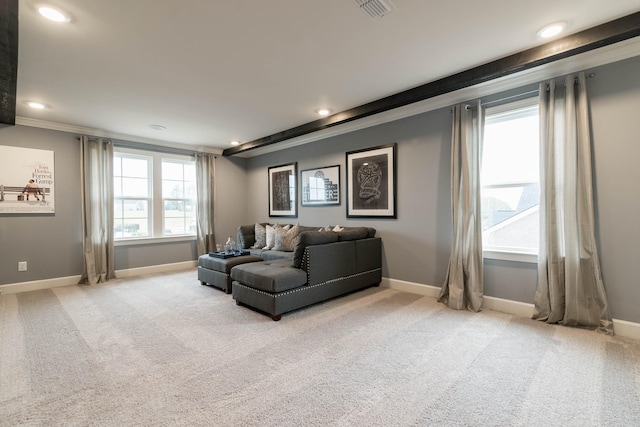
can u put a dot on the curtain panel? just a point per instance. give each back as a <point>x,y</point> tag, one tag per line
<point>463,286</point>
<point>570,287</point>
<point>205,176</point>
<point>96,157</point>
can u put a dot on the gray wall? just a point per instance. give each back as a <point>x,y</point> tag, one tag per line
<point>52,243</point>
<point>421,235</point>
<point>615,108</point>
<point>417,244</point>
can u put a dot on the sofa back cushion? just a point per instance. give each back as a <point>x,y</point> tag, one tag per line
<point>310,238</point>
<point>355,233</point>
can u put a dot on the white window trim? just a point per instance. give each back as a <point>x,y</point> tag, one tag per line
<point>133,241</point>
<point>510,255</point>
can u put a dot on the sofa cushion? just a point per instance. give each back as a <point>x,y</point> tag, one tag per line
<point>270,276</point>
<point>286,239</point>
<point>355,233</point>
<point>308,238</point>
<point>270,255</point>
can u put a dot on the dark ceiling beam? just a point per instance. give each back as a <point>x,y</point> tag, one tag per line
<point>593,38</point>
<point>8,60</point>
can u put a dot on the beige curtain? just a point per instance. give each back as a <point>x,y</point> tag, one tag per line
<point>570,288</point>
<point>97,209</point>
<point>205,175</point>
<point>463,286</point>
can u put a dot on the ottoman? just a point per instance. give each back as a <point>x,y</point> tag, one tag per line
<point>214,271</point>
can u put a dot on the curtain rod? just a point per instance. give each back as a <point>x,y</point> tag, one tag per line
<point>149,147</point>
<point>501,100</point>
<point>525,94</point>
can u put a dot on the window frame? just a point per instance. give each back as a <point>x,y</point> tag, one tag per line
<point>156,201</point>
<point>512,253</point>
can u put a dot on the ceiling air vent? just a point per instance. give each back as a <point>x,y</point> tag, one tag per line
<point>376,9</point>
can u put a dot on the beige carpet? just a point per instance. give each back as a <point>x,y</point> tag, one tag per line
<point>164,350</point>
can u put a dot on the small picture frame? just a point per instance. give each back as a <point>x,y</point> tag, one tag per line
<point>320,186</point>
<point>371,182</point>
<point>283,190</point>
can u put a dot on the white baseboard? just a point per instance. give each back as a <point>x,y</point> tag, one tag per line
<point>621,328</point>
<point>152,269</point>
<point>37,285</point>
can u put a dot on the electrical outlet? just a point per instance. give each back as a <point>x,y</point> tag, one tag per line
<point>22,266</point>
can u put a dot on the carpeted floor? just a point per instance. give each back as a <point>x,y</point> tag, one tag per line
<point>163,350</point>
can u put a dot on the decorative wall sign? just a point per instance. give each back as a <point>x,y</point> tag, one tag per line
<point>371,182</point>
<point>321,186</point>
<point>26,180</point>
<point>283,190</point>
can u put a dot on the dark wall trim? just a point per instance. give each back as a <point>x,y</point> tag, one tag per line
<point>584,41</point>
<point>8,60</point>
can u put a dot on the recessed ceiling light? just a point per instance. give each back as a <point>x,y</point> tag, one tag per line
<point>53,13</point>
<point>234,143</point>
<point>36,105</point>
<point>157,127</point>
<point>552,30</point>
<point>324,112</point>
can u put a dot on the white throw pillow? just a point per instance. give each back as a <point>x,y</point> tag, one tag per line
<point>270,237</point>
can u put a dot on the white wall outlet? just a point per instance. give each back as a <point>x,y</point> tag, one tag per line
<point>22,266</point>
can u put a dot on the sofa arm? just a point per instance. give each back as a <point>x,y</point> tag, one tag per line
<point>328,262</point>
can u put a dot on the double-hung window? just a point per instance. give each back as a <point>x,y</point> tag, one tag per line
<point>154,194</point>
<point>510,183</point>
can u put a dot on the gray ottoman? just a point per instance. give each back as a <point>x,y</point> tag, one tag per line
<point>214,271</point>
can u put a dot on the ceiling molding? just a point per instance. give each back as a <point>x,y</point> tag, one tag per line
<point>9,60</point>
<point>62,127</point>
<point>607,34</point>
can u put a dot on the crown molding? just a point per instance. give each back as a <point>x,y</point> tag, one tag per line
<point>80,130</point>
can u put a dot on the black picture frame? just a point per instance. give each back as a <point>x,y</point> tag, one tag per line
<point>371,182</point>
<point>283,190</point>
<point>320,186</point>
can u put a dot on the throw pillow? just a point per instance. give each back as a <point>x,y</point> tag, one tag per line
<point>270,237</point>
<point>261,236</point>
<point>286,238</point>
<point>337,228</point>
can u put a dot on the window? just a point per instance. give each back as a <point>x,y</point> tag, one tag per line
<point>179,197</point>
<point>510,183</point>
<point>132,195</point>
<point>154,194</point>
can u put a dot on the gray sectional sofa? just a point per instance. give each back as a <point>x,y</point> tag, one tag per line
<point>322,265</point>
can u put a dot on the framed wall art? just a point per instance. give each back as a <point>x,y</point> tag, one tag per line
<point>320,186</point>
<point>27,180</point>
<point>283,190</point>
<point>371,182</point>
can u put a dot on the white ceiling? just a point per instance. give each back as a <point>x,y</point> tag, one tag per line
<point>213,71</point>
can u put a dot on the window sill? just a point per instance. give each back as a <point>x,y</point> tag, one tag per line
<point>511,256</point>
<point>153,240</point>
